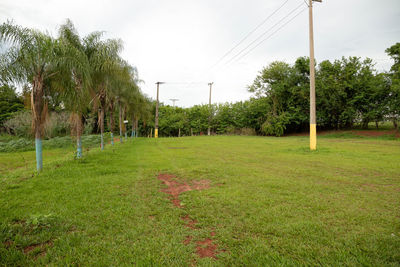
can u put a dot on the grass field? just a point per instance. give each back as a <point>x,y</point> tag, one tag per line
<point>270,202</point>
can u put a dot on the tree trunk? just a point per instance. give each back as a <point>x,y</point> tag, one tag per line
<point>124,126</point>
<point>377,124</point>
<point>179,132</point>
<point>38,107</point>
<point>137,127</point>
<point>133,126</point>
<point>120,122</point>
<point>112,125</point>
<point>78,135</point>
<point>102,127</point>
<point>395,125</point>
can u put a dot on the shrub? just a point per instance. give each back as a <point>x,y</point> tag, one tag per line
<point>20,124</point>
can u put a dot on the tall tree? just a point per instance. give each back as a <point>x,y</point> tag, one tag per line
<point>75,81</point>
<point>33,58</point>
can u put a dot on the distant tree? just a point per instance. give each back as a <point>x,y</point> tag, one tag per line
<point>393,103</point>
<point>10,102</point>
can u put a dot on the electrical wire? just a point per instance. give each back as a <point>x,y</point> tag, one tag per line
<point>250,33</point>
<point>264,33</point>
<point>269,36</point>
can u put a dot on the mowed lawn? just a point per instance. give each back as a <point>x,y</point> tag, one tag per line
<point>271,202</point>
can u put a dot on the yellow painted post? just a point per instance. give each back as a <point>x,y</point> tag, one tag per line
<point>157,103</point>
<point>313,120</point>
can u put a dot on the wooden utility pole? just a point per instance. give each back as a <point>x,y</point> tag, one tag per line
<point>209,109</point>
<point>313,120</point>
<point>156,122</point>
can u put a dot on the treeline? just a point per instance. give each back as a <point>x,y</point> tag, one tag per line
<point>349,92</point>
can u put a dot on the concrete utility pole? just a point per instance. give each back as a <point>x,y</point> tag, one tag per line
<point>209,107</point>
<point>156,122</point>
<point>313,120</point>
<point>173,101</point>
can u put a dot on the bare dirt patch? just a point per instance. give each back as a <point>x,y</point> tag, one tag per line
<point>374,133</point>
<point>206,248</point>
<point>175,187</point>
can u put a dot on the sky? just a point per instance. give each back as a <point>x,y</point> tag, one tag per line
<point>181,42</point>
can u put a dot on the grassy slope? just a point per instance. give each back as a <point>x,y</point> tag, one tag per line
<point>272,203</point>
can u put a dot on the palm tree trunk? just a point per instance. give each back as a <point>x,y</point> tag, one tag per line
<point>137,127</point>
<point>124,128</point>
<point>133,126</point>
<point>120,122</point>
<point>38,117</point>
<point>78,136</point>
<point>102,127</point>
<point>112,126</point>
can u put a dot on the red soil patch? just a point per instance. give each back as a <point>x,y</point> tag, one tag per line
<point>374,133</point>
<point>206,248</point>
<point>175,188</point>
<point>370,133</point>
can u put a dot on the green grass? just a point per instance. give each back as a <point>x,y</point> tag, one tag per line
<point>271,202</point>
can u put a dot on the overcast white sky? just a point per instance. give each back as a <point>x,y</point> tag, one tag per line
<point>178,41</point>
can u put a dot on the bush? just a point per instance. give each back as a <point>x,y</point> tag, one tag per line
<point>57,125</point>
<point>275,125</point>
<point>20,124</point>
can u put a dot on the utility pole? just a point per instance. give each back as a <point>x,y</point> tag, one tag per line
<point>209,108</point>
<point>156,122</point>
<point>173,101</point>
<point>313,120</point>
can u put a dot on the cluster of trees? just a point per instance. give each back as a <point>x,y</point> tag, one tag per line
<point>349,91</point>
<point>72,73</point>
<point>244,117</point>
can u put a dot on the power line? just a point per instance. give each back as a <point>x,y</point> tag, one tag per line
<point>265,32</point>
<point>269,36</point>
<point>250,33</point>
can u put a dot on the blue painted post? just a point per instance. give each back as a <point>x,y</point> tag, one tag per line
<point>102,142</point>
<point>79,147</point>
<point>39,158</point>
<point>112,139</point>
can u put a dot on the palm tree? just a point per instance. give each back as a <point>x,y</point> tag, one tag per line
<point>75,82</point>
<point>104,60</point>
<point>34,58</point>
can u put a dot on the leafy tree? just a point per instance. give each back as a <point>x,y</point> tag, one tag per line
<point>393,103</point>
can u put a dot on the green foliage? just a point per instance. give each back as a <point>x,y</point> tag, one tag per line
<point>10,103</point>
<point>348,92</point>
